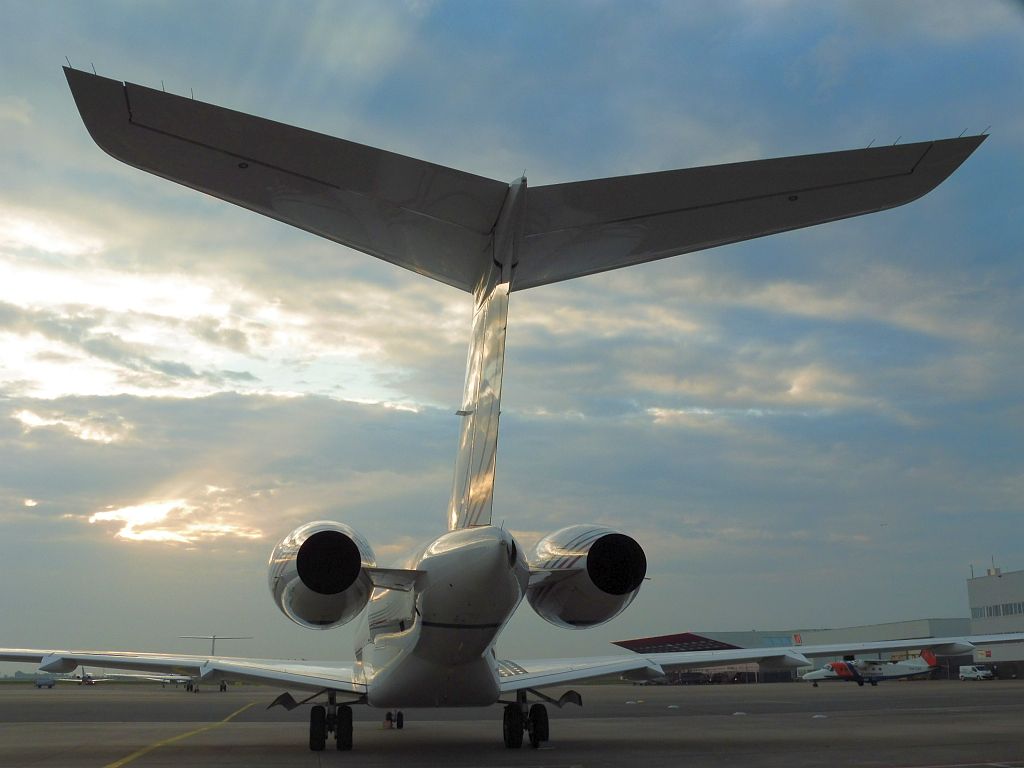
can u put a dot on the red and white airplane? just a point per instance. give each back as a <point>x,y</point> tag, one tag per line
<point>428,628</point>
<point>872,671</point>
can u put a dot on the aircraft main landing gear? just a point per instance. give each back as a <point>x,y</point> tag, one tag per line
<point>333,718</point>
<point>537,725</point>
<point>317,728</point>
<point>519,719</point>
<point>512,727</point>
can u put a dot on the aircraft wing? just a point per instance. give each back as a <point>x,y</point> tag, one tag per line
<point>439,221</point>
<point>538,673</point>
<point>307,675</point>
<point>585,227</point>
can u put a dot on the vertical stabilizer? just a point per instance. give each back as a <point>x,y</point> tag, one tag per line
<point>473,486</point>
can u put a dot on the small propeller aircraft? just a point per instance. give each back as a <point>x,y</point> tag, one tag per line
<point>872,671</point>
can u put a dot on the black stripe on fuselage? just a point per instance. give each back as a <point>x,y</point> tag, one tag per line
<point>445,625</point>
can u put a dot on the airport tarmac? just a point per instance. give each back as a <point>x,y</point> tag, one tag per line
<point>921,723</point>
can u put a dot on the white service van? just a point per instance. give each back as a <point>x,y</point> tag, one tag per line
<point>974,672</point>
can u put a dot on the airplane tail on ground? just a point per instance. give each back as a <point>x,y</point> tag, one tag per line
<point>927,657</point>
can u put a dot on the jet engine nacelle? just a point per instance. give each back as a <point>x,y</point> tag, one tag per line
<point>318,574</point>
<point>584,575</point>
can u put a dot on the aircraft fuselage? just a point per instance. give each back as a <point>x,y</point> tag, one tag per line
<point>434,646</point>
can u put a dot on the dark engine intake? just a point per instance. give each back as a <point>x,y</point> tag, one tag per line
<point>585,575</point>
<point>317,574</point>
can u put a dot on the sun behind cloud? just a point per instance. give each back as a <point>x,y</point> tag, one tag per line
<point>171,521</point>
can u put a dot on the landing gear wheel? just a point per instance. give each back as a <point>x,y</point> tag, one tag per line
<point>874,683</point>
<point>814,685</point>
<point>513,726</point>
<point>223,686</point>
<point>538,725</point>
<point>343,728</point>
<point>317,728</point>
<point>399,720</point>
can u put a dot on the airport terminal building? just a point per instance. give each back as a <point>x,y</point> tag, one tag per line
<point>996,603</point>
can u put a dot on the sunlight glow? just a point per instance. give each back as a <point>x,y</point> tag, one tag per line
<point>81,430</point>
<point>171,521</point>
<point>165,295</point>
<point>22,230</point>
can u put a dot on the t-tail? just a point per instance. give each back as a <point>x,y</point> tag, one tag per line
<point>473,485</point>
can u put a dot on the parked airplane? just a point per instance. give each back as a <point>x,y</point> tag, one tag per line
<point>871,671</point>
<point>427,630</point>
<point>85,678</point>
<point>153,677</point>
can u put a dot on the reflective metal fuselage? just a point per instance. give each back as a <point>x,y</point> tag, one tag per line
<point>434,646</point>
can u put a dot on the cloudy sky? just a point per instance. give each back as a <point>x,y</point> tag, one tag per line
<point>821,428</point>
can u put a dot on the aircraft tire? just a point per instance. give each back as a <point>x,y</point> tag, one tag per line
<point>538,725</point>
<point>317,728</point>
<point>399,720</point>
<point>343,728</point>
<point>513,726</point>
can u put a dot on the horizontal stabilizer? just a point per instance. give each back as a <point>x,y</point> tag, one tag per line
<point>585,227</point>
<point>442,223</point>
<point>418,215</point>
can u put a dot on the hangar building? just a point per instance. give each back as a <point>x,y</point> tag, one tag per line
<point>997,605</point>
<point>896,630</point>
<point>996,602</point>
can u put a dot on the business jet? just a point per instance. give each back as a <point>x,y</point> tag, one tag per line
<point>427,630</point>
<point>873,671</point>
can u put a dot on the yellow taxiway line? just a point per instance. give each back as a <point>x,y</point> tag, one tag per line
<point>179,737</point>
